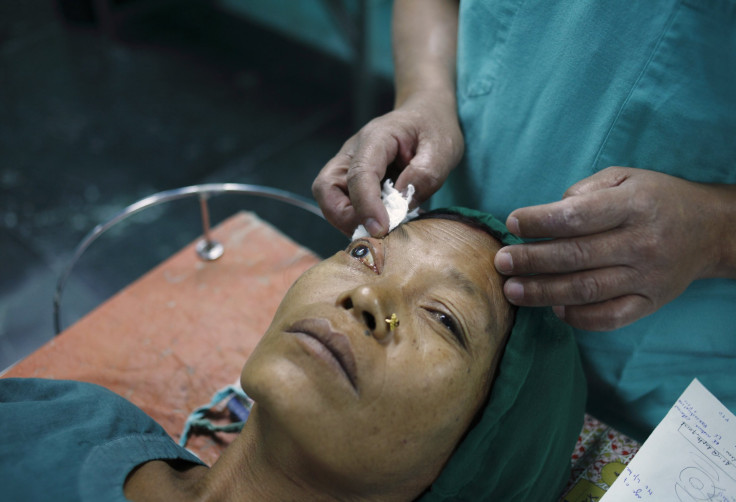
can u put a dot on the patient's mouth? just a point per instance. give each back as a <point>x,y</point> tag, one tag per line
<point>336,343</point>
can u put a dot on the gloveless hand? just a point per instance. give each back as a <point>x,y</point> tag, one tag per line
<point>623,242</point>
<point>421,140</point>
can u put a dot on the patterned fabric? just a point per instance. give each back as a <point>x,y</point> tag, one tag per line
<point>600,455</point>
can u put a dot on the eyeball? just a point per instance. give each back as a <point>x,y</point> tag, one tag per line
<point>363,253</point>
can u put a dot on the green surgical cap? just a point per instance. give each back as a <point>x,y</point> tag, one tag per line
<point>519,448</point>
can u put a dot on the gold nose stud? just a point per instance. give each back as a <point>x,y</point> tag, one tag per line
<point>393,322</point>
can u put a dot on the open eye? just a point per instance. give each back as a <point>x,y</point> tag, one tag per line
<point>363,253</point>
<point>451,324</point>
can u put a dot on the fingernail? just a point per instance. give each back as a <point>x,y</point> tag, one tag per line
<point>559,311</point>
<point>374,228</point>
<point>512,223</point>
<point>504,262</point>
<point>514,291</point>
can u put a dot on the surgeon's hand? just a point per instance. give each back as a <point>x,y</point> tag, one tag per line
<point>419,143</point>
<point>623,243</point>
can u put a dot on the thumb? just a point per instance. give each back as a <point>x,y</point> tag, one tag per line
<point>365,195</point>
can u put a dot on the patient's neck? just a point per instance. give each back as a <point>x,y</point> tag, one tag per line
<point>261,465</point>
<point>252,468</point>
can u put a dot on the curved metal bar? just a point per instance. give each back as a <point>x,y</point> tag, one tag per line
<point>205,190</point>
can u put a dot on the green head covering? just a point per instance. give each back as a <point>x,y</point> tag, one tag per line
<point>520,445</point>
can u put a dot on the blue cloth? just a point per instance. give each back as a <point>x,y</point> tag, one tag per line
<point>73,441</point>
<point>550,93</point>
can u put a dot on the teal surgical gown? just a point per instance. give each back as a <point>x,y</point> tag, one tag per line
<point>72,441</point>
<point>550,93</point>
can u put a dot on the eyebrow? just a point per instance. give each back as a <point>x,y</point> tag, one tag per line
<point>401,233</point>
<point>464,282</point>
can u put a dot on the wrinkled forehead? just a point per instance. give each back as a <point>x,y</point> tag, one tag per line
<point>454,246</point>
<point>453,240</point>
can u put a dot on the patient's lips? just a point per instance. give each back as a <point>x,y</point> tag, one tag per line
<point>337,344</point>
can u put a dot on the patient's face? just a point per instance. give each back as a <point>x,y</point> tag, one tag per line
<point>366,404</point>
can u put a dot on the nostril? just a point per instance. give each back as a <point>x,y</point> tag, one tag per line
<point>347,303</point>
<point>370,321</point>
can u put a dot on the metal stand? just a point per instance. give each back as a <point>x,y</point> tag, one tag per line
<point>207,248</point>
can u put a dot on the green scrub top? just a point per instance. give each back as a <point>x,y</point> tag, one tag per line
<point>73,441</point>
<point>550,93</point>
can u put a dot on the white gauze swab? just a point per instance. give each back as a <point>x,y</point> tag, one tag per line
<point>396,205</point>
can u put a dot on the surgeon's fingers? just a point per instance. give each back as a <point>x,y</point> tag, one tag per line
<point>567,255</point>
<point>331,193</point>
<point>426,182</point>
<point>607,178</point>
<point>347,188</point>
<point>336,207</point>
<point>367,168</point>
<point>579,215</point>
<point>606,316</point>
<point>420,143</point>
<point>429,168</point>
<point>579,288</point>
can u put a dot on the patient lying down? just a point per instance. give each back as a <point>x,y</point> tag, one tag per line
<point>394,370</point>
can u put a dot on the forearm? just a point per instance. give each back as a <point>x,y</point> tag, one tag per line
<point>425,41</point>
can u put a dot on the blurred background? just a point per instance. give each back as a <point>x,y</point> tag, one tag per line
<point>104,102</point>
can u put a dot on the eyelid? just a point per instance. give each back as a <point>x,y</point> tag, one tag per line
<point>377,264</point>
<point>458,333</point>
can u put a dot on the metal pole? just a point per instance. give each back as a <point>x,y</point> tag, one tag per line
<point>207,248</point>
<point>167,196</point>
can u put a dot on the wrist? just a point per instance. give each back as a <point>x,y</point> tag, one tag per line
<point>722,213</point>
<point>437,95</point>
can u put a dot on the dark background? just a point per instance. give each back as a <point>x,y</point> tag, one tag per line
<point>92,120</point>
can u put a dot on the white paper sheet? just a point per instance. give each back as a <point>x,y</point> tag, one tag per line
<point>690,456</point>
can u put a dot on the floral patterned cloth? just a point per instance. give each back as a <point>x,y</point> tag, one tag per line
<point>599,457</point>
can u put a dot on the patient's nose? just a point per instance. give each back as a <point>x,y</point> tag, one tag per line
<point>367,308</point>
